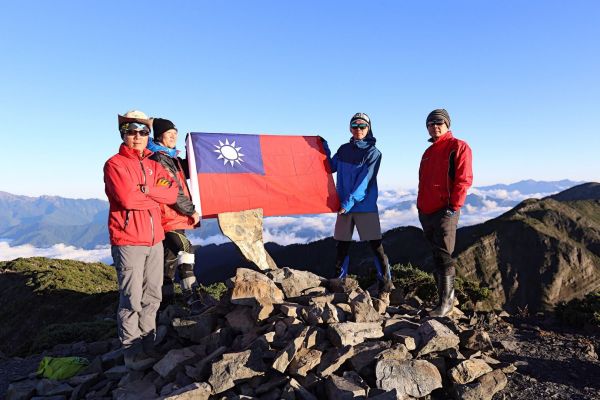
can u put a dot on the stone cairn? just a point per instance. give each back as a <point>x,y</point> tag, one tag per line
<point>289,334</point>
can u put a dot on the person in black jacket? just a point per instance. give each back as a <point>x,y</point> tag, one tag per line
<point>176,218</point>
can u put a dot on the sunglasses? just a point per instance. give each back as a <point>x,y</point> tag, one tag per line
<point>436,122</point>
<point>359,126</point>
<point>142,132</point>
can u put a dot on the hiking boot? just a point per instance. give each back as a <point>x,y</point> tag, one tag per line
<point>194,301</point>
<point>136,359</point>
<point>445,284</point>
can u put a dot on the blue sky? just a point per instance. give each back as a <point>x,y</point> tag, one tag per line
<point>520,79</point>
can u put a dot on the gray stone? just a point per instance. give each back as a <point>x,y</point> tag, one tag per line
<point>175,360</point>
<point>195,327</point>
<point>379,305</point>
<point>304,361</point>
<point>323,314</point>
<point>290,309</point>
<point>194,391</point>
<point>252,288</point>
<point>112,358</point>
<point>271,384</point>
<point>300,392</point>
<point>416,378</point>
<point>294,282</point>
<point>47,387</point>
<point>116,373</point>
<point>285,356</point>
<point>135,390</point>
<point>365,353</point>
<point>397,352</point>
<point>345,285</point>
<point>483,388</point>
<point>363,310</point>
<point>394,324</point>
<point>353,333</point>
<point>476,340</point>
<point>333,360</point>
<point>314,337</point>
<point>340,388</point>
<point>408,341</point>
<point>21,390</point>
<point>240,319</point>
<point>245,229</point>
<point>235,368</point>
<point>199,372</point>
<point>435,336</point>
<point>469,370</point>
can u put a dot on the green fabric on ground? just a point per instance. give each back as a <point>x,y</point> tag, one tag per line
<point>61,367</point>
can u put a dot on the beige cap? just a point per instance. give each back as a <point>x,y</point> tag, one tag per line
<point>134,116</point>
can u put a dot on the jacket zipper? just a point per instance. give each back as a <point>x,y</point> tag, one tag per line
<point>126,220</point>
<point>149,212</point>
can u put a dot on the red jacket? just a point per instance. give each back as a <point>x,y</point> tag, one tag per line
<point>134,216</point>
<point>173,219</point>
<point>445,175</point>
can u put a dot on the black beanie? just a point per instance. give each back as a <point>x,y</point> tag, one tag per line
<point>438,114</point>
<point>160,126</point>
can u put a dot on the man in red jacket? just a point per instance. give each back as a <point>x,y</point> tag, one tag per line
<point>136,186</point>
<point>445,175</point>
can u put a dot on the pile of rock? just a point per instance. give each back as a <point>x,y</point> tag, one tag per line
<point>288,334</point>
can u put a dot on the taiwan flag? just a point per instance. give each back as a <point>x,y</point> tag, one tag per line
<point>283,175</point>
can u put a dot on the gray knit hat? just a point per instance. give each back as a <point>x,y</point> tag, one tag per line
<point>438,114</point>
<point>364,117</point>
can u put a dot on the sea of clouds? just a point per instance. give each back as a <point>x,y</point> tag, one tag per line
<point>397,207</point>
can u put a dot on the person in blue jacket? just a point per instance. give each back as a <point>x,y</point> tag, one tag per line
<point>357,163</point>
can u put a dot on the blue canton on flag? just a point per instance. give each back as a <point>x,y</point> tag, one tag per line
<point>227,153</point>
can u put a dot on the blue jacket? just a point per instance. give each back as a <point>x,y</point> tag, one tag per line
<point>356,164</point>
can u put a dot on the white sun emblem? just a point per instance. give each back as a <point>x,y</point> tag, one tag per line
<point>228,152</point>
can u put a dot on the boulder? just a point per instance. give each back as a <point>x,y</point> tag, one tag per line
<point>285,356</point>
<point>252,288</point>
<point>175,360</point>
<point>416,378</point>
<point>245,229</point>
<point>194,391</point>
<point>483,388</point>
<point>353,333</point>
<point>341,388</point>
<point>363,310</point>
<point>234,368</point>
<point>434,336</point>
<point>293,282</point>
<point>469,370</point>
<point>304,361</point>
<point>333,360</point>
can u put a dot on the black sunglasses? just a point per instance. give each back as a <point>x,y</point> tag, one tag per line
<point>359,126</point>
<point>436,122</point>
<point>141,133</point>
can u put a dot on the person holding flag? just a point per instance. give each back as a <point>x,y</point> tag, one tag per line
<point>357,164</point>
<point>176,218</point>
<point>136,186</point>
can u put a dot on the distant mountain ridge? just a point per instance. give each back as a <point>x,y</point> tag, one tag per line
<point>539,253</point>
<point>48,220</point>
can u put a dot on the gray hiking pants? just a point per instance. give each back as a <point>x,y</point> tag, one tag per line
<point>140,276</point>
<point>440,232</point>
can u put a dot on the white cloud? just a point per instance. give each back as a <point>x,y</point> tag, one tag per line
<point>394,218</point>
<point>503,194</point>
<point>60,251</point>
<point>214,239</point>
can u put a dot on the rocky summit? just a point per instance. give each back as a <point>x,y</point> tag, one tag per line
<point>289,334</point>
